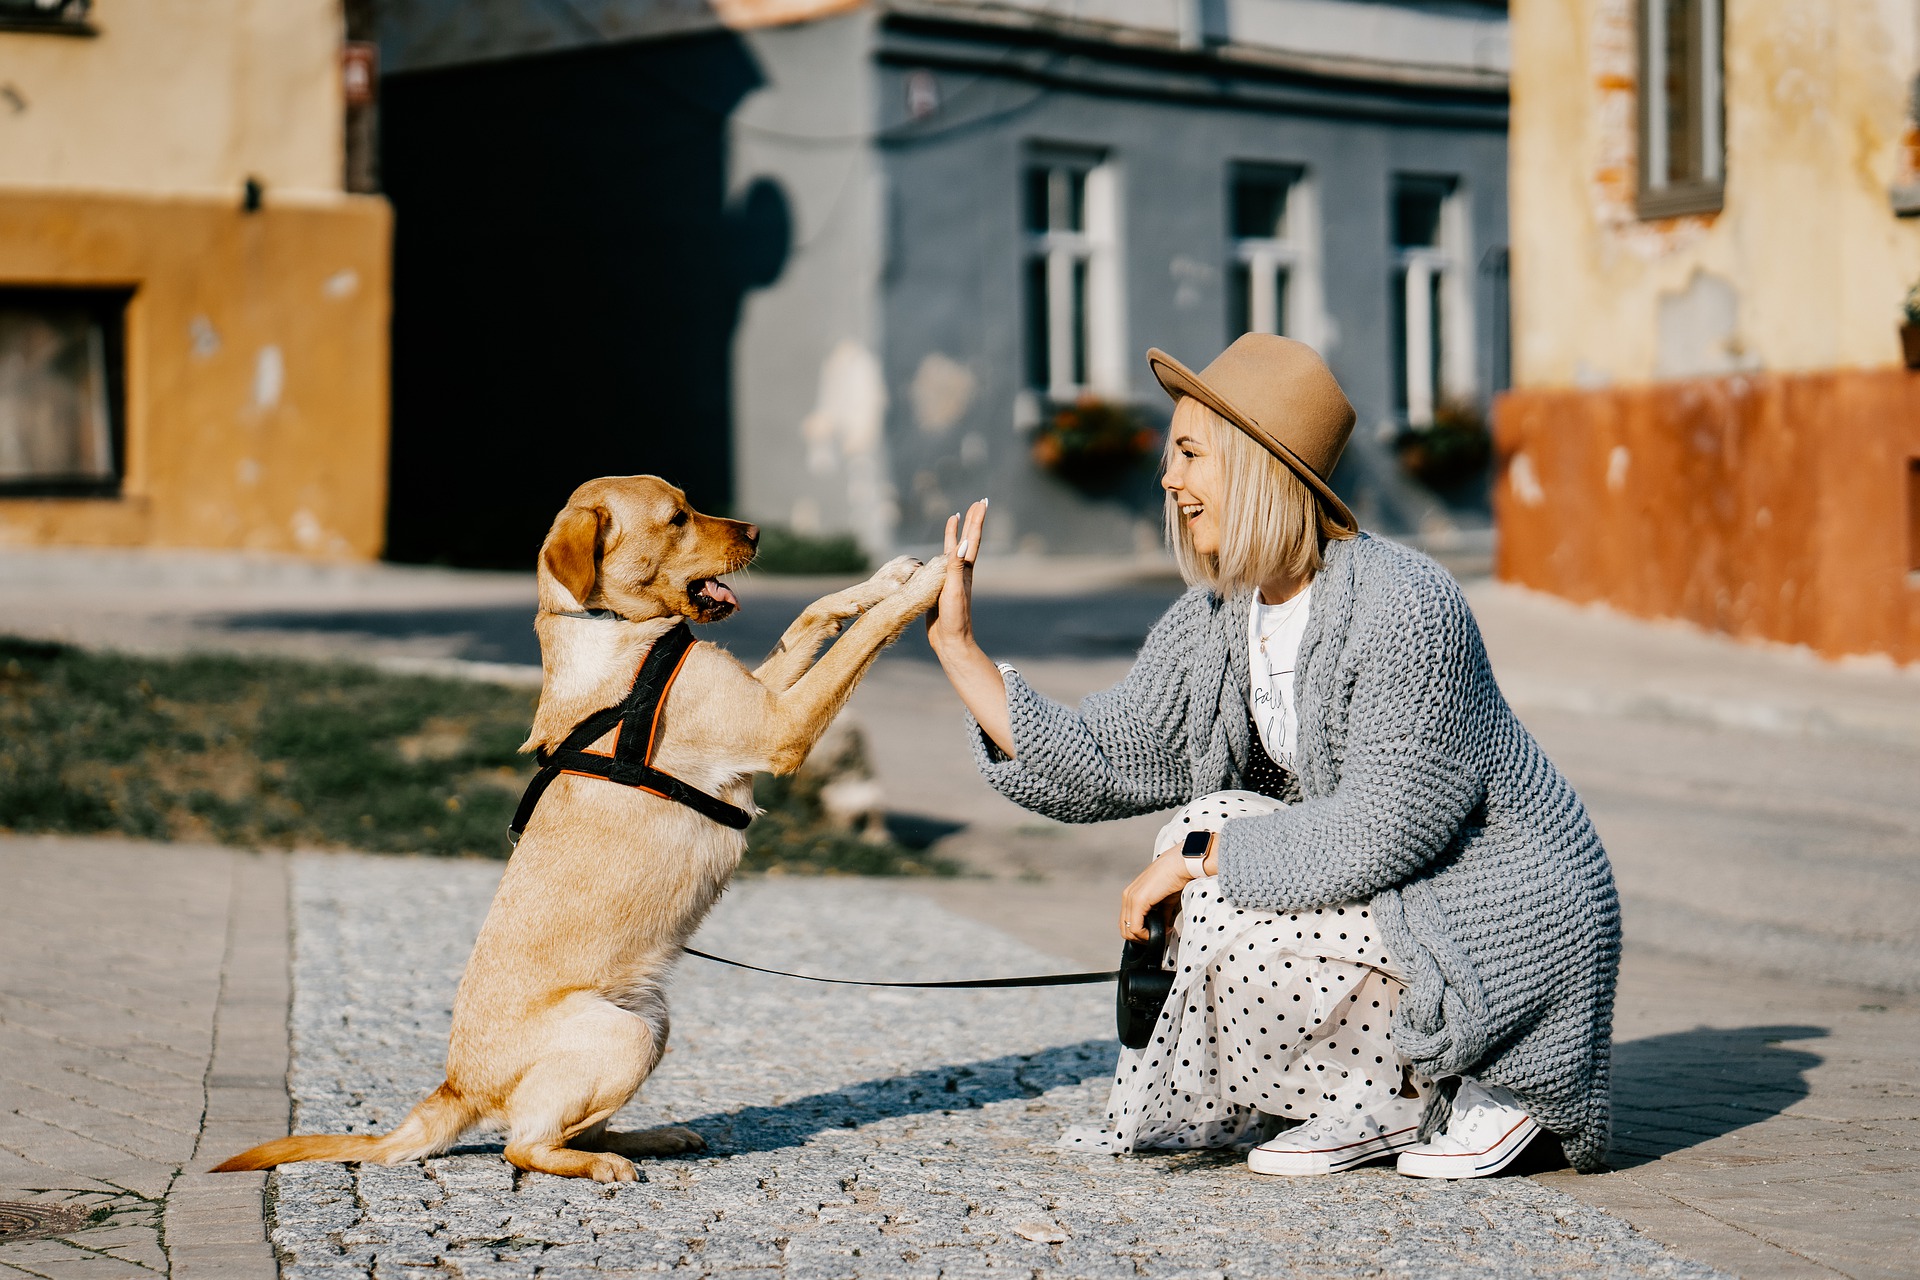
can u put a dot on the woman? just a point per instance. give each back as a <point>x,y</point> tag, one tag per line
<point>1398,926</point>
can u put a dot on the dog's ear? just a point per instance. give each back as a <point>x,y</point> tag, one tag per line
<point>572,553</point>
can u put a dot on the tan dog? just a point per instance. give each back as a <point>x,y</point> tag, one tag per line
<point>562,1012</point>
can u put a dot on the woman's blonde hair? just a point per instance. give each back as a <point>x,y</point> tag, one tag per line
<point>1270,522</point>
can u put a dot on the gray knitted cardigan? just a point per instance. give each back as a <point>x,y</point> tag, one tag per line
<point>1421,791</point>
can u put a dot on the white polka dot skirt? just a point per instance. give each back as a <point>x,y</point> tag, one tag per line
<point>1272,1014</point>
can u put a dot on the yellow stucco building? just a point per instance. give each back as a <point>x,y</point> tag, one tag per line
<point>193,311</point>
<point>1713,233</point>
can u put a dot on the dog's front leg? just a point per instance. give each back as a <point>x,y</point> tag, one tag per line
<point>821,621</point>
<point>803,712</point>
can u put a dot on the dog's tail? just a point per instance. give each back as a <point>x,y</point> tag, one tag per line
<point>429,1128</point>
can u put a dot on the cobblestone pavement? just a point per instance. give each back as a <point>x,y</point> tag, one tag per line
<point>853,1133</point>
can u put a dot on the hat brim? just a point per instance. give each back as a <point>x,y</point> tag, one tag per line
<point>1177,380</point>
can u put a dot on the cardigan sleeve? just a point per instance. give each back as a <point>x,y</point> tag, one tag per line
<point>1122,752</point>
<point>1410,779</point>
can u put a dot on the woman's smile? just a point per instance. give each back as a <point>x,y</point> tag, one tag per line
<point>1193,478</point>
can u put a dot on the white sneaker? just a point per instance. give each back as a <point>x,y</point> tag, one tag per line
<point>1487,1131</point>
<point>1331,1143</point>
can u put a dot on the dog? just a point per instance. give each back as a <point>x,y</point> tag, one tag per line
<point>562,1012</point>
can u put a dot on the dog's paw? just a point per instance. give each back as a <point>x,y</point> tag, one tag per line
<point>607,1167</point>
<point>895,573</point>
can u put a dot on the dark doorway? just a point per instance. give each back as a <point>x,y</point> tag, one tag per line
<point>568,271</point>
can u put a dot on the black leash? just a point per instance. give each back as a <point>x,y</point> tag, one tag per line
<point>1040,980</point>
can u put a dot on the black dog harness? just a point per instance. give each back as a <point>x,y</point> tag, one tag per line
<point>630,763</point>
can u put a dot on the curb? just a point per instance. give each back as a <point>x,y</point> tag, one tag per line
<point>215,1224</point>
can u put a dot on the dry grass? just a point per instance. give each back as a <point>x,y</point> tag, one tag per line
<point>268,752</point>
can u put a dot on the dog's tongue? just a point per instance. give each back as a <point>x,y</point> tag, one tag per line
<point>714,589</point>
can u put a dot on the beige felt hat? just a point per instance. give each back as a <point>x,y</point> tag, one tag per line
<point>1281,393</point>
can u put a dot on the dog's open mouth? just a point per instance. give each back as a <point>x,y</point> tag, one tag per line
<point>713,598</point>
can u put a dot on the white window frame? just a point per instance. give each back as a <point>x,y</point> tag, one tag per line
<point>1447,261</point>
<point>1095,247</point>
<point>1297,252</point>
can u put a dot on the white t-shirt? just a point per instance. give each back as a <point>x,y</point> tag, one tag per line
<point>1273,641</point>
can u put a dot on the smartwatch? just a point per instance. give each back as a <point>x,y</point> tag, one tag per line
<point>1194,851</point>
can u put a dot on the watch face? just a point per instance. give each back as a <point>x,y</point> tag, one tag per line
<point>1196,844</point>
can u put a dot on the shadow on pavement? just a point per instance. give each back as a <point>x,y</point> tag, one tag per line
<point>946,1088</point>
<point>1675,1091</point>
<point>1108,625</point>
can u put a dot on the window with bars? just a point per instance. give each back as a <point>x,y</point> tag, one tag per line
<point>61,392</point>
<point>1074,338</point>
<point>1682,108</point>
<point>1431,302</point>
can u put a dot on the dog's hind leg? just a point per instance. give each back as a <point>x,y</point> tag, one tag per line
<point>594,1057</point>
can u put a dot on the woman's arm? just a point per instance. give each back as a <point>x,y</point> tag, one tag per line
<point>973,674</point>
<point>1122,752</point>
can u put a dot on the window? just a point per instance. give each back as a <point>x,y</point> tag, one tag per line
<point>1075,339</point>
<point>1432,305</point>
<point>62,17</point>
<point>1273,282</point>
<point>1682,111</point>
<point>61,391</point>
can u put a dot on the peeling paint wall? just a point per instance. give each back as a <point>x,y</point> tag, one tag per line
<point>1710,421</point>
<point>256,370</point>
<point>1805,264</point>
<point>178,97</point>
<point>811,396</point>
<point>256,343</point>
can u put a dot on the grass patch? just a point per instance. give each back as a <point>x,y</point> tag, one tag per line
<point>269,752</point>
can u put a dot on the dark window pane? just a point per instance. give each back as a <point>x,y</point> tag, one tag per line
<point>1416,213</point>
<point>1239,300</point>
<point>1037,199</point>
<point>1433,331</point>
<point>1399,310</point>
<point>1076,211</point>
<point>59,379</point>
<point>1037,323</point>
<point>1281,280</point>
<point>1260,207</point>
<point>1080,322</point>
<point>1681,32</point>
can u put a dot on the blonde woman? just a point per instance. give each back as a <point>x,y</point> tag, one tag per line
<point>1395,925</point>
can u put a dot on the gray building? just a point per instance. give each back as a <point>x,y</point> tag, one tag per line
<point>831,267</point>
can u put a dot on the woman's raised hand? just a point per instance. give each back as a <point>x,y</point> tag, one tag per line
<point>950,631</point>
<point>950,621</point>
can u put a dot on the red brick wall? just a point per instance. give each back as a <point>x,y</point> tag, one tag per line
<point>1772,507</point>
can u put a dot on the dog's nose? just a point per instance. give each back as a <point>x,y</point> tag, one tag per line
<point>753,534</point>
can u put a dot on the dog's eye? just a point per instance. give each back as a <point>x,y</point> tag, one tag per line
<point>678,517</point>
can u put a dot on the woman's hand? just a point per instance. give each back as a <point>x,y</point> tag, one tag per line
<point>950,631</point>
<point>1165,877</point>
<point>950,621</point>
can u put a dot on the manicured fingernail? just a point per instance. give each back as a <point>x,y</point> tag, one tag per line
<point>961,550</point>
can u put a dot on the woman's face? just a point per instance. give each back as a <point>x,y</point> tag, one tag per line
<point>1193,477</point>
